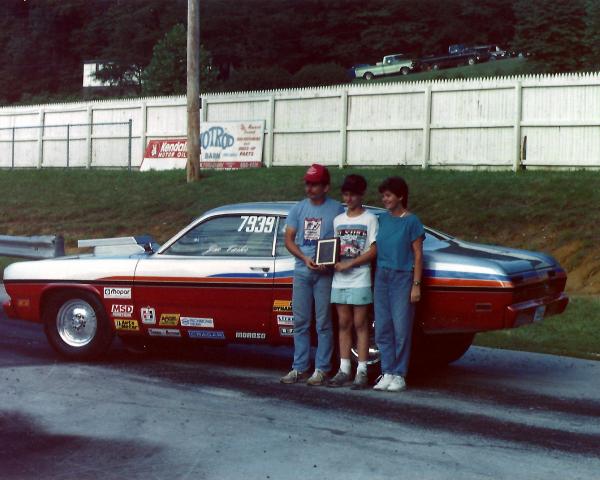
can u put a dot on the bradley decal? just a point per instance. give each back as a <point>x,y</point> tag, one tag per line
<point>285,320</point>
<point>117,310</point>
<point>169,319</point>
<point>282,305</point>
<point>148,315</point>
<point>197,322</point>
<point>117,292</point>
<point>126,324</point>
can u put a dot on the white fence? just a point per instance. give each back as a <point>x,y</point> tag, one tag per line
<point>532,121</point>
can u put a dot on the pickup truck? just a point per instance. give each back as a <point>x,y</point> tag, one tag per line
<point>457,55</point>
<point>390,65</point>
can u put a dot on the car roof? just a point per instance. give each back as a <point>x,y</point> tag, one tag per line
<point>273,208</point>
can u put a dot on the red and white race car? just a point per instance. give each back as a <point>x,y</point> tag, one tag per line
<point>227,277</point>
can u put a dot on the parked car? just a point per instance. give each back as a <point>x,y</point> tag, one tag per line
<point>395,64</point>
<point>227,277</point>
<point>457,55</point>
<point>492,52</point>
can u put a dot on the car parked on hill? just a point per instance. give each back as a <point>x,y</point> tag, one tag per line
<point>227,277</point>
<point>396,64</point>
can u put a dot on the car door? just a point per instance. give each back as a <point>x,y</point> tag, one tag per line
<point>215,282</point>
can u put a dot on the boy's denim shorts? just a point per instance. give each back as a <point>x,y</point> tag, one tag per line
<point>352,296</point>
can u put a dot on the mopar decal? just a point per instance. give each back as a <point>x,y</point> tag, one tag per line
<point>117,292</point>
<point>117,310</point>
<point>148,315</point>
<point>251,335</point>
<point>197,322</point>
<point>285,320</point>
<point>164,332</point>
<point>126,324</point>
<point>169,319</point>
<point>282,306</point>
<point>208,334</point>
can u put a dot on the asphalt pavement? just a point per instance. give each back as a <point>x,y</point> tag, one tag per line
<point>220,413</point>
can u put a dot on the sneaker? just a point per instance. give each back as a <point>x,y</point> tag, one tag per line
<point>294,376</point>
<point>341,379</point>
<point>361,380</point>
<point>317,379</point>
<point>383,382</point>
<point>397,384</point>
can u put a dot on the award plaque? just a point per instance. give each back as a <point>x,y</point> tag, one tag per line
<point>328,251</point>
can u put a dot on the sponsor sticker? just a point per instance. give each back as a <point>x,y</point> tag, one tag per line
<point>126,324</point>
<point>118,310</point>
<point>169,319</point>
<point>286,332</point>
<point>197,322</point>
<point>251,335</point>
<point>285,320</point>
<point>148,315</point>
<point>117,292</point>
<point>282,305</point>
<point>207,334</point>
<point>164,332</point>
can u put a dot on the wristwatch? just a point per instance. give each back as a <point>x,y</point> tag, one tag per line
<point>416,283</point>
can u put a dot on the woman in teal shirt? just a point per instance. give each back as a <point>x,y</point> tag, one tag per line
<point>397,282</point>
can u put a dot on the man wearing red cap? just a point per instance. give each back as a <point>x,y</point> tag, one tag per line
<point>310,220</point>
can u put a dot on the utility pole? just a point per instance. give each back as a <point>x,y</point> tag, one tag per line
<point>193,92</point>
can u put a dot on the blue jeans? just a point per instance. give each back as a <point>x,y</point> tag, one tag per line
<point>312,286</point>
<point>393,319</point>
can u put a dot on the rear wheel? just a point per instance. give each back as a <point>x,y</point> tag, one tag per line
<point>77,326</point>
<point>368,76</point>
<point>471,61</point>
<point>405,70</point>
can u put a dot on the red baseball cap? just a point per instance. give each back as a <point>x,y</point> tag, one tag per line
<point>317,174</point>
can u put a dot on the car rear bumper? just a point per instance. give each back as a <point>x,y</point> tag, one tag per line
<point>536,310</point>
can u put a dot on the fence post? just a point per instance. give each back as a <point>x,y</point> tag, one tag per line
<point>344,129</point>
<point>271,121</point>
<point>130,126</point>
<point>88,139</point>
<point>68,143</point>
<point>144,132</point>
<point>517,125</point>
<point>42,118</point>
<point>427,128</point>
<point>12,151</point>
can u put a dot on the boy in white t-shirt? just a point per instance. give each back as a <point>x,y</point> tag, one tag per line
<point>351,288</point>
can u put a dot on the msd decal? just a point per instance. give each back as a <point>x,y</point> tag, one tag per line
<point>285,320</point>
<point>169,319</point>
<point>117,292</point>
<point>117,310</point>
<point>148,315</point>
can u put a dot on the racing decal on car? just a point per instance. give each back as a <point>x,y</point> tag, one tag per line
<point>207,334</point>
<point>257,224</point>
<point>164,332</point>
<point>119,310</point>
<point>282,305</point>
<point>127,324</point>
<point>285,320</point>
<point>148,315</point>
<point>197,322</point>
<point>286,332</point>
<point>169,319</point>
<point>251,335</point>
<point>117,292</point>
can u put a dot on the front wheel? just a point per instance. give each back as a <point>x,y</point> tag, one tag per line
<point>77,326</point>
<point>471,61</point>
<point>374,358</point>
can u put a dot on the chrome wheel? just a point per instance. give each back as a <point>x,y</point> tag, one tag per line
<point>76,323</point>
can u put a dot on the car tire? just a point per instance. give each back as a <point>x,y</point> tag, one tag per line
<point>440,349</point>
<point>368,76</point>
<point>405,70</point>
<point>435,66</point>
<point>471,61</point>
<point>77,326</point>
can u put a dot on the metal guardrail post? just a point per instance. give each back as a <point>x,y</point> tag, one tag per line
<point>130,126</point>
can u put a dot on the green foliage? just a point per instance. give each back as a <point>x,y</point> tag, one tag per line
<point>267,78</point>
<point>322,74</point>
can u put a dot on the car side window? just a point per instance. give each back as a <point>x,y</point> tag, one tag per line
<point>228,236</point>
<point>280,250</point>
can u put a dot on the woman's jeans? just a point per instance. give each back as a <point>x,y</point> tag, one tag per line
<point>311,286</point>
<point>393,319</point>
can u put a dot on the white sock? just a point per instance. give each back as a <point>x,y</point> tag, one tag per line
<point>362,367</point>
<point>345,365</point>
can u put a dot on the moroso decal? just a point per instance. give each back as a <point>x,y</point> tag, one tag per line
<point>208,334</point>
<point>148,315</point>
<point>164,332</point>
<point>118,310</point>
<point>169,319</point>
<point>197,322</point>
<point>117,292</point>
<point>126,324</point>
<point>286,332</point>
<point>285,320</point>
<point>251,335</point>
<point>282,305</point>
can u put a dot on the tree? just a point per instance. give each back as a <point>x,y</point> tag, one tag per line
<point>592,34</point>
<point>166,73</point>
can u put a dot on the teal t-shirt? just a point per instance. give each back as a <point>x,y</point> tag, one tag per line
<point>394,241</point>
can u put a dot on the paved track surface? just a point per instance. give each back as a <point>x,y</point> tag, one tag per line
<point>220,413</point>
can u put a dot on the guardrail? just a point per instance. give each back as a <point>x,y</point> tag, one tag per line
<point>35,247</point>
